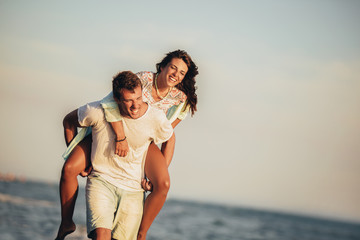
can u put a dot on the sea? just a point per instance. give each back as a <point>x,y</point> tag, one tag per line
<point>31,210</point>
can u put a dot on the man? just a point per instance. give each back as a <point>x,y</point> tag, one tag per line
<point>114,196</point>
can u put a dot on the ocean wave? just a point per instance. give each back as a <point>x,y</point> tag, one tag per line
<point>26,201</point>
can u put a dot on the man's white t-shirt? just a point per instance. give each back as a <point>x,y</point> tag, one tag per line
<point>123,172</point>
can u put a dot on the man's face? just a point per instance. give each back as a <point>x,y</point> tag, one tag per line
<point>131,102</point>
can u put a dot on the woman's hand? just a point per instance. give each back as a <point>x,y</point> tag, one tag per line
<point>146,185</point>
<point>121,148</point>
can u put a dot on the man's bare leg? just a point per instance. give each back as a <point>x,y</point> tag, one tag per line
<point>101,234</point>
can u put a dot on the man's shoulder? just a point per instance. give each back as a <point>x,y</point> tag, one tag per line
<point>155,112</point>
<point>91,110</point>
<point>93,106</point>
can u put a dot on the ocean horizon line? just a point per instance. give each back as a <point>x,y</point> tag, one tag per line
<point>242,207</point>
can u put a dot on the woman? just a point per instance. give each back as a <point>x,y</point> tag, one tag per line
<point>171,89</point>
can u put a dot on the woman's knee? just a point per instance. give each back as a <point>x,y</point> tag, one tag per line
<point>67,171</point>
<point>162,185</point>
<point>70,170</point>
<point>77,162</point>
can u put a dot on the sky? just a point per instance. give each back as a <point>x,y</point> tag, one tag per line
<point>278,120</point>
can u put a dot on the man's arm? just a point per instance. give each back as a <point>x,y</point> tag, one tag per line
<point>70,124</point>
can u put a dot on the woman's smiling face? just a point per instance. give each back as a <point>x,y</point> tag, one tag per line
<point>174,72</point>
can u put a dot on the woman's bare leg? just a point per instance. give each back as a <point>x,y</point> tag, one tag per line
<point>77,162</point>
<point>157,171</point>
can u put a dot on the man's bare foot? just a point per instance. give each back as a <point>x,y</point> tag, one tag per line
<point>64,230</point>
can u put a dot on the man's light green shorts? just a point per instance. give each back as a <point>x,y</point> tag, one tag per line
<point>112,208</point>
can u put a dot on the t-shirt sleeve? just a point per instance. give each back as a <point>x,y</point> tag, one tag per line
<point>90,114</point>
<point>163,130</point>
<point>111,108</point>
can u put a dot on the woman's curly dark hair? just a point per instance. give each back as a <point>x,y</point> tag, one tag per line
<point>188,83</point>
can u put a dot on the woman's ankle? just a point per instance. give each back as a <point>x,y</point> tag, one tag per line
<point>141,236</point>
<point>67,223</point>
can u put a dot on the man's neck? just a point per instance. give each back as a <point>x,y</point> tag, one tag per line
<point>144,107</point>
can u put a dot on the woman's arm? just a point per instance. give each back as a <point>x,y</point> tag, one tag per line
<point>175,123</point>
<point>167,149</point>
<point>113,116</point>
<point>121,144</point>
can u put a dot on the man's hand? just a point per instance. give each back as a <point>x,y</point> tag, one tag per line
<point>121,148</point>
<point>86,172</point>
<point>146,185</point>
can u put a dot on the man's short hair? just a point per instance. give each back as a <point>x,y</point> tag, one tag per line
<point>124,80</point>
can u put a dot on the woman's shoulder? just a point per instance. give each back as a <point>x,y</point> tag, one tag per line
<point>146,76</point>
<point>178,95</point>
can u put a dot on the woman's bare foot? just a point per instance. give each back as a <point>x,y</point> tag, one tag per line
<point>141,236</point>
<point>65,229</point>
